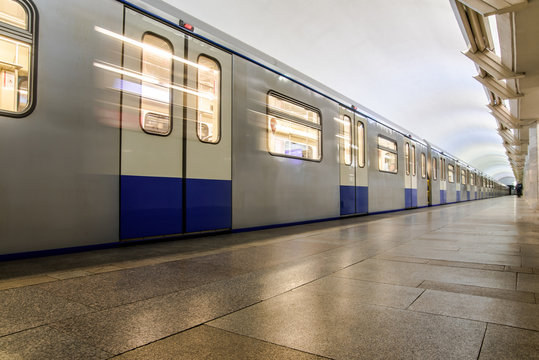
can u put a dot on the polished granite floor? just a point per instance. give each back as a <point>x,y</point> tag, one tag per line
<point>458,281</point>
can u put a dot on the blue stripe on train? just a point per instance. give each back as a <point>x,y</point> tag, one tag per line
<point>362,199</point>
<point>348,205</point>
<point>443,196</point>
<point>351,203</point>
<point>458,195</point>
<point>407,198</point>
<point>208,204</point>
<point>150,206</point>
<point>410,198</point>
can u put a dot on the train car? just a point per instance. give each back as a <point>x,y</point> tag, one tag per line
<point>120,121</point>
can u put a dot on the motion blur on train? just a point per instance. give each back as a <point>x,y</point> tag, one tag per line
<point>121,121</point>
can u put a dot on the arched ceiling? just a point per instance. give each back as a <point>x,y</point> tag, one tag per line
<point>401,59</point>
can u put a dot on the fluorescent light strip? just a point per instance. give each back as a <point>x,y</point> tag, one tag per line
<point>152,80</point>
<point>150,48</point>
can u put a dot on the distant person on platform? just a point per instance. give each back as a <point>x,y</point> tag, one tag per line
<point>519,190</point>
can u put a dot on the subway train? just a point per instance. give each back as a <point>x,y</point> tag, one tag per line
<point>131,120</point>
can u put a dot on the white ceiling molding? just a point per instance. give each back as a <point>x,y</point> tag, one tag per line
<point>493,72</point>
<point>489,62</point>
<point>494,7</point>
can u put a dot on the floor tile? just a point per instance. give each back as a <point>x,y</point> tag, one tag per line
<point>343,328</point>
<point>528,282</point>
<point>24,281</point>
<point>115,288</point>
<point>28,307</point>
<point>206,342</point>
<point>503,342</point>
<point>479,308</point>
<point>363,291</point>
<point>521,296</point>
<point>46,343</point>
<point>411,274</point>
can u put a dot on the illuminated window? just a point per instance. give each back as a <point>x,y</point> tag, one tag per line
<point>156,93</point>
<point>463,176</point>
<point>472,182</point>
<point>407,158</point>
<point>434,169</point>
<point>451,173</point>
<point>209,100</point>
<point>16,56</point>
<point>457,174</point>
<point>294,128</point>
<point>413,161</point>
<point>423,165</point>
<point>442,168</point>
<point>387,155</point>
<point>346,140</point>
<point>360,144</point>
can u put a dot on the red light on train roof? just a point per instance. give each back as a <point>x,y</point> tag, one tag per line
<point>187,26</point>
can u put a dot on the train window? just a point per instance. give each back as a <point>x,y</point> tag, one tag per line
<point>451,173</point>
<point>443,169</point>
<point>294,128</point>
<point>16,57</point>
<point>463,176</point>
<point>457,174</point>
<point>209,100</point>
<point>413,161</point>
<point>472,179</point>
<point>387,155</point>
<point>360,144</point>
<point>155,104</point>
<point>423,165</point>
<point>346,140</point>
<point>407,157</point>
<point>434,169</point>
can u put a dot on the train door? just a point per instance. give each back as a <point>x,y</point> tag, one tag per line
<point>410,180</point>
<point>362,174</point>
<point>156,93</point>
<point>354,192</point>
<point>443,180</point>
<point>208,129</point>
<point>346,161</point>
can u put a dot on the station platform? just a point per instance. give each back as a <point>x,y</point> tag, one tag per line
<point>456,281</point>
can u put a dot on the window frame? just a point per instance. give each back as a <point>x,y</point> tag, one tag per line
<point>289,118</point>
<point>171,93</point>
<point>345,118</point>
<point>414,161</point>
<point>393,151</point>
<point>220,99</point>
<point>423,165</point>
<point>407,160</point>
<point>450,172</point>
<point>363,148</point>
<point>29,36</point>
<point>434,167</point>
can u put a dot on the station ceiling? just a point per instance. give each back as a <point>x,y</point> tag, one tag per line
<point>402,59</point>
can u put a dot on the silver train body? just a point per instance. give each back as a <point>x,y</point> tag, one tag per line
<point>107,151</point>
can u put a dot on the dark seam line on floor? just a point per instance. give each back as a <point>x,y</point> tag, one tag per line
<point>62,332</point>
<point>374,281</point>
<point>474,320</point>
<point>266,341</point>
<point>482,341</point>
<point>422,292</point>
